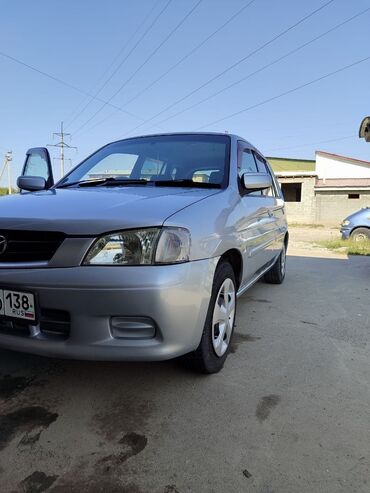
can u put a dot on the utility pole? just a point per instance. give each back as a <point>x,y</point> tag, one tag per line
<point>8,158</point>
<point>62,145</point>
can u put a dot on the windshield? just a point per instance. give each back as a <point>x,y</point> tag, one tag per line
<point>170,158</point>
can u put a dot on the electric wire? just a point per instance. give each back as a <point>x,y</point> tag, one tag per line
<point>285,93</point>
<point>149,57</point>
<point>190,53</point>
<point>65,83</point>
<point>118,67</point>
<point>175,65</point>
<point>268,65</point>
<point>329,141</point>
<point>235,64</point>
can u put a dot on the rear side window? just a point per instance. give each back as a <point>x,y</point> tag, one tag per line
<point>263,167</point>
<point>247,163</point>
<point>261,163</point>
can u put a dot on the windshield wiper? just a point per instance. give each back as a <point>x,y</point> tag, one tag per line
<point>186,183</point>
<point>110,181</point>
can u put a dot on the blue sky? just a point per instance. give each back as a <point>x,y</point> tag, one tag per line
<point>81,43</point>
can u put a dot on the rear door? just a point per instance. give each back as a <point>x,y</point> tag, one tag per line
<point>274,204</point>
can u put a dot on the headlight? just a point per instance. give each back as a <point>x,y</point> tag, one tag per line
<point>346,222</point>
<point>140,247</point>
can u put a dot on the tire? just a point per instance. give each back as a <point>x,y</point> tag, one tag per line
<point>214,346</point>
<point>276,274</point>
<point>360,234</point>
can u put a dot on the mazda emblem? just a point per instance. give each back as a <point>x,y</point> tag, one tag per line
<point>3,244</point>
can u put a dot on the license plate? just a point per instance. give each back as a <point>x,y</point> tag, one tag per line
<point>17,304</point>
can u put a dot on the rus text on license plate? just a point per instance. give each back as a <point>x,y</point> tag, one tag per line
<point>17,304</point>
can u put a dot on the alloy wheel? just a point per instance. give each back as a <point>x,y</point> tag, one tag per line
<point>223,317</point>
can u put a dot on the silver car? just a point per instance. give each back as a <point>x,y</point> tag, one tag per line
<point>140,252</point>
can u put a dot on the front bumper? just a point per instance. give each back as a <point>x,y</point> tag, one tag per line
<point>345,232</point>
<point>174,298</point>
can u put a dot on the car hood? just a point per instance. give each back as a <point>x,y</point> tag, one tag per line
<point>93,211</point>
<point>361,215</point>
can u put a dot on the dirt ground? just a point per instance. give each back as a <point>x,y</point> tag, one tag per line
<point>290,412</point>
<point>304,240</point>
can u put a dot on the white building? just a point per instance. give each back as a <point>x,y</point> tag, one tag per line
<point>323,191</point>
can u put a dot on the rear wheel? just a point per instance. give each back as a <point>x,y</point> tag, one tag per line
<point>360,234</point>
<point>276,274</point>
<point>212,351</point>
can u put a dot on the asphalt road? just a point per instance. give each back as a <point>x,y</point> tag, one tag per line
<point>289,413</point>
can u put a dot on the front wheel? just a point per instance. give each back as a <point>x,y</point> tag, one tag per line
<point>361,234</point>
<point>212,351</point>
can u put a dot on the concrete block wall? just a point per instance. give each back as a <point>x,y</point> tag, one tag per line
<point>333,207</point>
<point>302,212</point>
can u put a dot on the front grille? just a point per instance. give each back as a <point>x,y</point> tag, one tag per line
<point>30,246</point>
<point>54,324</point>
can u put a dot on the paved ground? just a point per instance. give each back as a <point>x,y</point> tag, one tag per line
<point>289,413</point>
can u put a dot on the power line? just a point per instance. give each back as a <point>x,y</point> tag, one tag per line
<point>108,79</point>
<point>190,53</point>
<point>149,57</point>
<point>290,91</point>
<point>66,84</point>
<point>241,60</point>
<point>175,65</point>
<point>313,143</point>
<point>268,65</point>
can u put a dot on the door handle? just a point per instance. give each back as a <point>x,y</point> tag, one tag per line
<point>270,213</point>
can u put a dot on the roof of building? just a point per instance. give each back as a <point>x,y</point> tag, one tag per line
<point>281,164</point>
<point>295,174</point>
<point>343,158</point>
<point>343,183</point>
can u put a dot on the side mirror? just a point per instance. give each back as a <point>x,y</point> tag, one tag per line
<point>37,166</point>
<point>364,132</point>
<point>253,182</point>
<point>31,183</point>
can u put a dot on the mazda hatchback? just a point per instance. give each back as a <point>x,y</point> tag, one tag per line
<point>140,252</point>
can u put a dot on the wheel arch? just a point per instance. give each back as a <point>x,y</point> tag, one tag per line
<point>359,227</point>
<point>353,230</point>
<point>234,257</point>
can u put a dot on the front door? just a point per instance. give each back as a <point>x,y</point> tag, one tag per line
<point>258,228</point>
